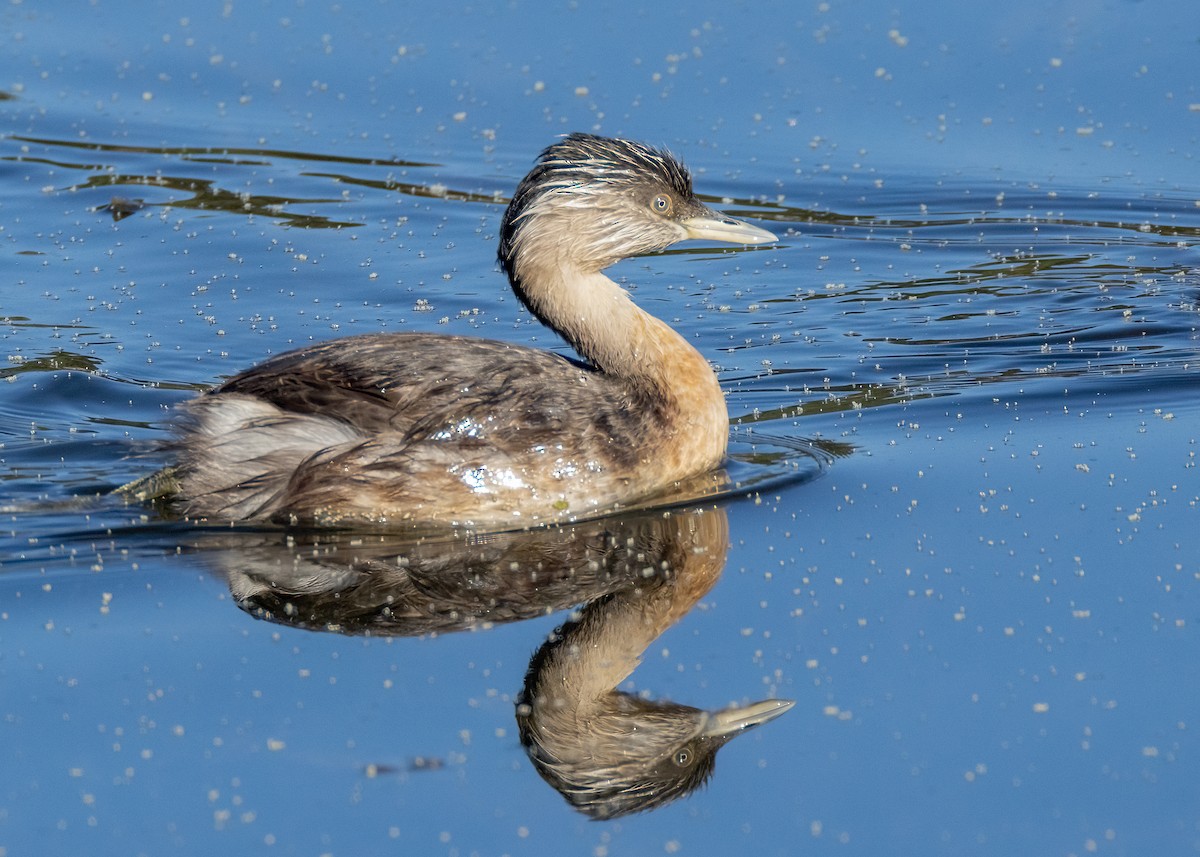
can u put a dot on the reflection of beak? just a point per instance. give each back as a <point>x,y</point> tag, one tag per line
<point>711,226</point>
<point>723,724</point>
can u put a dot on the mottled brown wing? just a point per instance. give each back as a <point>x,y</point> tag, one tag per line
<point>426,382</point>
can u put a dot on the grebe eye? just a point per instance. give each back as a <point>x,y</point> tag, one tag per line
<point>661,204</point>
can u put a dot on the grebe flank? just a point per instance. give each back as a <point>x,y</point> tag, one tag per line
<point>402,429</point>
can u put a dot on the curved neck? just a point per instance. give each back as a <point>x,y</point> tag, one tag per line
<point>578,677</point>
<point>665,375</point>
<point>606,327</point>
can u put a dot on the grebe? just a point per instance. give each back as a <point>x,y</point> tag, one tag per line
<point>434,430</point>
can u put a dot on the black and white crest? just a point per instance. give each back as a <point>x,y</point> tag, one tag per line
<point>585,159</point>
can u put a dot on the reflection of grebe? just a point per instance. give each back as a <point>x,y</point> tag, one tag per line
<point>428,429</point>
<point>607,752</point>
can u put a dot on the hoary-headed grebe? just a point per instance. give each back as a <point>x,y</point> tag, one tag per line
<point>430,430</point>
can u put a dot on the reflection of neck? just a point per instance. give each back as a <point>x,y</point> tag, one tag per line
<point>575,682</point>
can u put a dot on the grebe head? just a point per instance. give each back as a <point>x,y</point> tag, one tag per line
<point>591,201</point>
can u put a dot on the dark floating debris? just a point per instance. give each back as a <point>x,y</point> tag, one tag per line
<point>121,207</point>
<point>415,765</point>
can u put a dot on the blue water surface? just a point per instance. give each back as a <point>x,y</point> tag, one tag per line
<point>964,532</point>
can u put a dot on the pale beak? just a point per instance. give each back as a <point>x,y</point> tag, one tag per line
<point>721,724</point>
<point>712,226</point>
